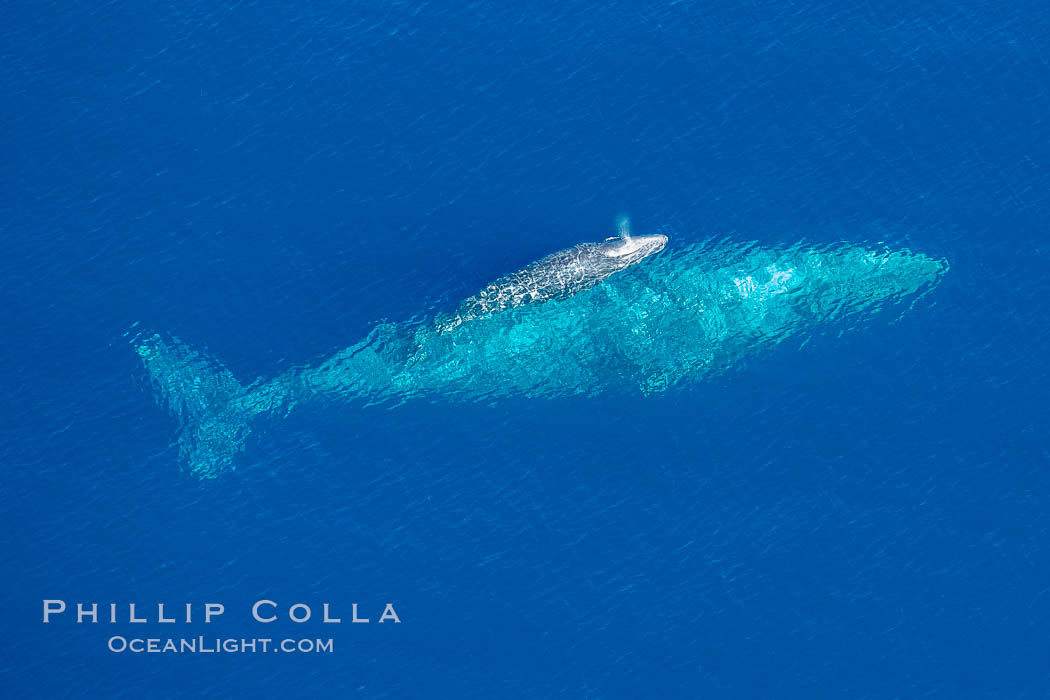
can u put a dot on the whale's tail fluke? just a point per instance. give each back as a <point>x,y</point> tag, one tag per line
<point>212,407</point>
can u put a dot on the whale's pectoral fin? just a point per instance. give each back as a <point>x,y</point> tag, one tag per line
<point>212,407</point>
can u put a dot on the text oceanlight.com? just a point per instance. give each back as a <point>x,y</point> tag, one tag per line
<point>217,645</point>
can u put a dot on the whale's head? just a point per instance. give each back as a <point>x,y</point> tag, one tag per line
<point>627,250</point>
<point>636,247</point>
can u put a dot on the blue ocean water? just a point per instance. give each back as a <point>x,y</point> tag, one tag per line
<point>858,511</point>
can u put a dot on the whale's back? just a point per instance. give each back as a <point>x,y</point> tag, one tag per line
<point>556,276</point>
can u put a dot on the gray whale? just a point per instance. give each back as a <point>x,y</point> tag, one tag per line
<point>677,319</point>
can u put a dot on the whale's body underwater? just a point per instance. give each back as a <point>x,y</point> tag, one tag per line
<point>676,318</point>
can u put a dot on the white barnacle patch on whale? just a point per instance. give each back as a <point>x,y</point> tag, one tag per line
<point>558,276</point>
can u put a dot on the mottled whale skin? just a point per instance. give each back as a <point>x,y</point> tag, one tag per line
<point>559,275</point>
<point>678,318</point>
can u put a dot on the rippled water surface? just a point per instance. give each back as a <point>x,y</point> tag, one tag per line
<point>801,452</point>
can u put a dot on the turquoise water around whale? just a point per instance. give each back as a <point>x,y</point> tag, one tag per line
<point>802,452</point>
